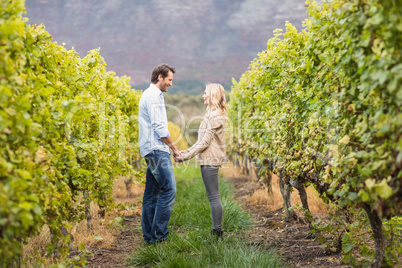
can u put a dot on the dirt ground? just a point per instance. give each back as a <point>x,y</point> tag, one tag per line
<point>125,244</point>
<point>292,239</point>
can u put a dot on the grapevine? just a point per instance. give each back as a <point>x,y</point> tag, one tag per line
<point>67,128</point>
<point>324,104</point>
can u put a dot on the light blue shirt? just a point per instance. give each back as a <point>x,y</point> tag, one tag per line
<point>152,119</point>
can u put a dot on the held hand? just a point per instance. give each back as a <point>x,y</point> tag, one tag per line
<point>178,159</point>
<point>176,156</point>
<point>177,153</point>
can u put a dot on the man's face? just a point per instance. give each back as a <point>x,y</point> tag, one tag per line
<point>165,83</point>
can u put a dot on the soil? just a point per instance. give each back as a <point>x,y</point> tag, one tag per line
<point>292,239</point>
<point>125,244</point>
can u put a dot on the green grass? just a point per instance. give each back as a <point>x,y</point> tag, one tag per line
<point>190,243</point>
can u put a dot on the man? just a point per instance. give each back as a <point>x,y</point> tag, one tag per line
<point>155,144</point>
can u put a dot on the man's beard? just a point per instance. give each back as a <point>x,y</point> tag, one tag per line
<point>164,87</point>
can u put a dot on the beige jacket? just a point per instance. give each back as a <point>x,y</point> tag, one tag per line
<point>210,146</point>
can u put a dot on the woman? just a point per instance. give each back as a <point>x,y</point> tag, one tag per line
<point>210,148</point>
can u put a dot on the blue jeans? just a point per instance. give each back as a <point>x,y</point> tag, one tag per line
<point>159,196</point>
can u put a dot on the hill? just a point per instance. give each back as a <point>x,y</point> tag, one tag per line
<point>207,41</point>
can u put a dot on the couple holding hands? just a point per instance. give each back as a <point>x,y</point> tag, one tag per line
<point>155,144</point>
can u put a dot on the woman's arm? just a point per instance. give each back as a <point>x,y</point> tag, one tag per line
<point>212,124</point>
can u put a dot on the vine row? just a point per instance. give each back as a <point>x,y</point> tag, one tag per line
<point>68,127</point>
<point>322,107</point>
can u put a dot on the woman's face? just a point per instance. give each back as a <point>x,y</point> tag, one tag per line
<point>205,98</point>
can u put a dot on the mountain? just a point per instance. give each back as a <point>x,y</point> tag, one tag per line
<point>206,41</point>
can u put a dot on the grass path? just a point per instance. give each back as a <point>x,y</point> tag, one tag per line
<point>190,243</point>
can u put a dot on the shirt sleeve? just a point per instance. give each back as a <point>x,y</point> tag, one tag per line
<point>212,124</point>
<point>157,116</point>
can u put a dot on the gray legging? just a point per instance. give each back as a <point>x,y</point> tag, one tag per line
<point>211,182</point>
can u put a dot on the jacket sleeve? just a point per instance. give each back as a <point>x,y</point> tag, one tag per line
<point>212,124</point>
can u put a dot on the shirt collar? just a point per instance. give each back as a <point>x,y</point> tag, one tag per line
<point>156,89</point>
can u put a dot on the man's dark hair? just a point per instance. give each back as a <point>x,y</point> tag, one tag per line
<point>162,69</point>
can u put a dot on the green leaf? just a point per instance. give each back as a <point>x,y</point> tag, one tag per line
<point>384,190</point>
<point>3,221</point>
<point>364,195</point>
<point>81,247</point>
<point>366,172</point>
<point>81,154</point>
<point>25,174</point>
<point>348,247</point>
<point>353,196</point>
<point>37,209</point>
<point>25,205</point>
<point>370,183</point>
<point>345,139</point>
<point>377,19</point>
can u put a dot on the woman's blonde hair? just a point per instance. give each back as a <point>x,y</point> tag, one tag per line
<point>216,98</point>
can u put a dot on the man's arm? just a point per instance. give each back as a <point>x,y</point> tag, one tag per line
<point>168,141</point>
<point>159,125</point>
